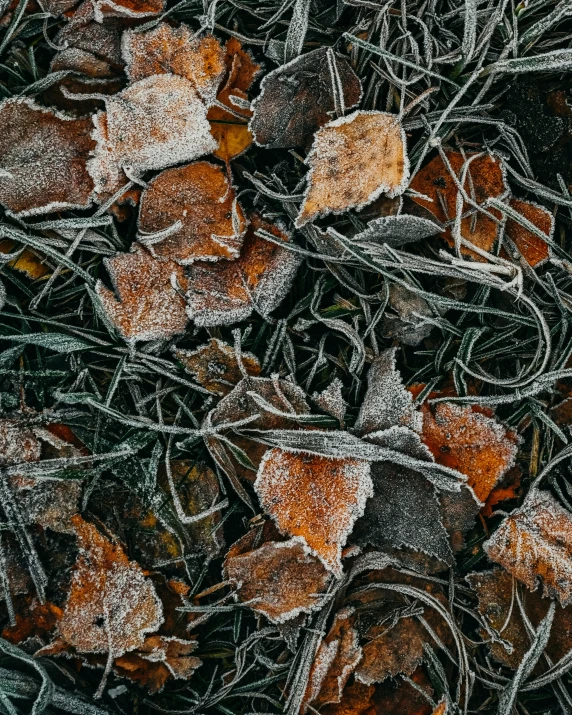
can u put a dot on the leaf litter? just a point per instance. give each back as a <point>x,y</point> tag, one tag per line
<point>293,278</point>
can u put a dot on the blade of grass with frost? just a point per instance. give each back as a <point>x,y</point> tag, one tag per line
<point>555,61</point>
<point>297,29</point>
<point>561,11</point>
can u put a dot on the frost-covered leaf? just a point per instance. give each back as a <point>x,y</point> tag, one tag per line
<point>175,50</point>
<point>228,291</point>
<point>230,128</point>
<point>532,247</point>
<point>354,160</point>
<point>314,499</point>
<point>190,213</point>
<point>154,123</point>
<point>38,621</point>
<point>404,511</point>
<point>158,660</point>
<point>148,305</point>
<point>336,659</point>
<point>357,700</point>
<point>534,544</point>
<point>386,403</point>
<point>475,444</point>
<point>298,98</point>
<point>484,179</point>
<point>111,605</point>
<point>126,8</point>
<point>278,579</point>
<point>215,365</point>
<point>38,147</point>
<point>496,591</point>
<point>331,400</point>
<point>404,321</point>
<point>394,641</point>
<point>397,230</point>
<point>18,443</point>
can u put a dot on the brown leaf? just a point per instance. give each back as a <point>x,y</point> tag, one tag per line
<point>533,249</point>
<point>126,8</point>
<point>36,620</point>
<point>175,50</point>
<point>354,160</point>
<point>506,489</point>
<point>155,123</point>
<point>497,593</point>
<point>37,147</point>
<point>159,659</point>
<point>533,544</point>
<point>336,659</point>
<point>298,98</point>
<point>485,179</point>
<point>357,700</point>
<point>471,442</point>
<point>148,307</point>
<point>278,579</point>
<point>314,499</point>
<point>199,197</point>
<point>405,319</point>
<point>215,365</point>
<point>228,291</point>
<point>111,606</point>
<point>18,443</point>
<point>27,261</point>
<point>399,697</point>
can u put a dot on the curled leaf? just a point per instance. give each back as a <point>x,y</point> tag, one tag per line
<point>354,160</point>
<point>196,210</point>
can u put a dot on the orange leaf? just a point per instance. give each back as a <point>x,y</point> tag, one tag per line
<point>533,249</point>
<point>201,199</point>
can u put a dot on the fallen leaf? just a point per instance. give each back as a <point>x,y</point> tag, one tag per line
<point>442,708</point>
<point>230,128</point>
<point>394,641</point>
<point>298,98</point>
<point>485,179</point>
<point>533,249</point>
<point>404,321</point>
<point>278,579</point>
<point>147,306</point>
<point>404,697</point>
<point>404,512</point>
<point>27,261</point>
<point>215,365</point>
<point>314,499</point>
<point>196,208</point>
<point>354,160</point>
<point>336,659</point>
<point>36,620</point>
<point>228,291</point>
<point>111,606</point>
<point>158,660</point>
<point>154,123</point>
<point>357,700</point>
<point>37,147</point>
<point>176,50</point>
<point>386,403</point>
<point>533,544</point>
<point>471,442</point>
<point>331,400</point>
<point>126,8</point>
<point>497,594</point>
<point>18,443</point>
<point>506,489</point>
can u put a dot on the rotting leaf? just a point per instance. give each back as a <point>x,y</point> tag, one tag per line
<point>202,201</point>
<point>354,160</point>
<point>278,579</point>
<point>148,305</point>
<point>533,544</point>
<point>215,365</point>
<point>298,98</point>
<point>532,248</point>
<point>336,659</point>
<point>386,403</point>
<point>230,127</point>
<point>357,700</point>
<point>228,291</point>
<point>154,123</point>
<point>485,179</point>
<point>37,147</point>
<point>471,442</point>
<point>405,321</point>
<point>175,50</point>
<point>314,499</point>
<point>497,594</point>
<point>158,660</point>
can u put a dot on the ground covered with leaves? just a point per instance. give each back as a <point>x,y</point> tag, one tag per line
<point>285,357</point>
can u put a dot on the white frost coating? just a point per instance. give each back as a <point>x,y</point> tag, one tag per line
<point>401,439</point>
<point>155,123</point>
<point>324,510</point>
<point>386,403</point>
<point>331,400</point>
<point>106,8</point>
<point>398,230</point>
<point>314,157</point>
